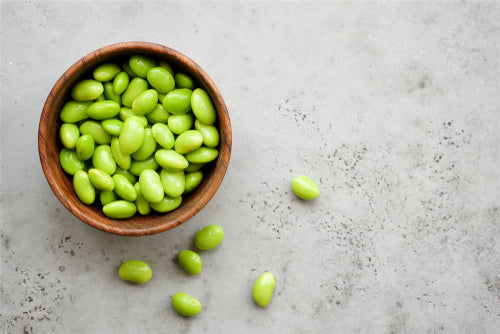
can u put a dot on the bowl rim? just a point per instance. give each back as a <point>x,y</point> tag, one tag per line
<point>131,227</point>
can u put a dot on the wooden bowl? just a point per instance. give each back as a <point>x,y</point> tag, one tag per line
<point>49,144</point>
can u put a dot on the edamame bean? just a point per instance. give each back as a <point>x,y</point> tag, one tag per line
<point>112,126</point>
<point>140,64</point>
<point>158,115</point>
<point>151,186</point>
<point>137,167</point>
<point>69,135</point>
<point>107,197</point>
<point>202,107</point>
<point>193,167</point>
<point>186,305</point>
<point>171,160</point>
<point>85,146</point>
<point>70,162</point>
<point>263,289</point>
<point>167,204</point>
<point>110,94</point>
<point>160,79</point>
<point>96,130</point>
<point>135,271</point>
<point>120,83</point>
<point>145,102</point>
<point>178,101</point>
<point>103,109</point>
<point>74,111</point>
<point>83,187</point>
<point>147,148</point>
<point>101,180</point>
<point>134,89</point>
<point>119,209</point>
<point>106,72</point>
<point>209,237</point>
<point>193,180</point>
<point>173,183</point>
<point>124,189</point>
<point>87,90</point>
<point>130,177</point>
<point>166,66</point>
<point>129,71</point>
<point>122,160</point>
<point>180,123</point>
<point>183,81</point>
<point>305,188</point>
<point>209,132</point>
<point>132,135</point>
<point>188,141</point>
<point>143,206</point>
<point>190,262</point>
<point>202,155</point>
<point>163,136</point>
<point>103,159</point>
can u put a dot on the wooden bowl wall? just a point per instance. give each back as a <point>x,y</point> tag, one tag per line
<point>49,144</point>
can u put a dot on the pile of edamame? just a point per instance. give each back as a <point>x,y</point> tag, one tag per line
<point>137,136</point>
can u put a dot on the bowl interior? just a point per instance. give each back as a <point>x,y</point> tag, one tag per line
<point>49,144</point>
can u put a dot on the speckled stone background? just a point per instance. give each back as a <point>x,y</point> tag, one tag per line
<point>392,108</point>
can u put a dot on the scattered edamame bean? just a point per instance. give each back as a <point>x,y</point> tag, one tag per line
<point>209,237</point>
<point>263,289</point>
<point>135,271</point>
<point>186,305</point>
<point>305,188</point>
<point>190,262</point>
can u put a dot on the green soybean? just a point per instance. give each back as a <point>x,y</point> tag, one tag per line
<point>202,106</point>
<point>74,111</point>
<point>103,109</point>
<point>193,180</point>
<point>85,146</point>
<point>263,289</point>
<point>106,72</point>
<point>158,115</point>
<point>180,123</point>
<point>143,206</point>
<point>112,126</point>
<point>128,70</point>
<point>183,81</point>
<point>166,66</point>
<point>202,155</point>
<point>107,197</point>
<point>101,180</point>
<point>135,271</point>
<point>119,209</point>
<point>122,160</point>
<point>167,204</point>
<point>209,132</point>
<point>130,177</point>
<point>173,183</point>
<point>163,136</point>
<point>147,148</point>
<point>132,135</point>
<point>124,188</point>
<point>70,162</point>
<point>134,89</point>
<point>83,187</point>
<point>145,102</point>
<point>188,141</point>
<point>151,186</point>
<point>193,167</point>
<point>171,160</point>
<point>160,79</point>
<point>305,188</point>
<point>178,101</point>
<point>103,159</point>
<point>87,90</point>
<point>209,237</point>
<point>110,94</point>
<point>140,64</point>
<point>69,134</point>
<point>96,130</point>
<point>190,262</point>
<point>120,83</point>
<point>137,167</point>
<point>186,305</point>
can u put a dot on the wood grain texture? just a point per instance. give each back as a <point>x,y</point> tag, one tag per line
<point>61,183</point>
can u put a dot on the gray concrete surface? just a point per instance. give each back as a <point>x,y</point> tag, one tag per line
<point>392,108</point>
